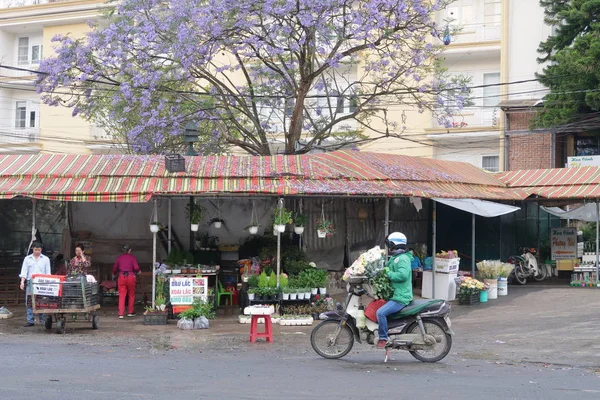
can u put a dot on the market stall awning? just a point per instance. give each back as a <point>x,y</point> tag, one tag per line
<point>482,208</point>
<point>587,212</point>
<point>127,178</point>
<point>556,183</point>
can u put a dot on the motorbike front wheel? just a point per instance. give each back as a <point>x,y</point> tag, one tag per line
<point>443,342</point>
<point>520,276</point>
<point>331,339</point>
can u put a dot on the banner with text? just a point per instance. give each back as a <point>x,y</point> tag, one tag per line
<point>47,285</point>
<point>184,291</point>
<point>564,243</point>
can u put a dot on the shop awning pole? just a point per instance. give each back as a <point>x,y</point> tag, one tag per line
<point>154,216</point>
<point>597,239</point>
<point>386,225</point>
<point>473,245</point>
<point>169,222</point>
<point>433,250</point>
<point>280,205</point>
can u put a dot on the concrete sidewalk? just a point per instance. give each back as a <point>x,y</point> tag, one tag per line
<point>542,324</point>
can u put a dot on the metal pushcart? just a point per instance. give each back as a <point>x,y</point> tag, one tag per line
<point>73,300</point>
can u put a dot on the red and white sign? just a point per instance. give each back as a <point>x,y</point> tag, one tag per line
<point>47,285</point>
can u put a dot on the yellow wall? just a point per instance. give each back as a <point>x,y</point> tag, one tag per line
<point>60,132</point>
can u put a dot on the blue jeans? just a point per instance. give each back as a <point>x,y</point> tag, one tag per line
<point>389,308</point>
<point>30,315</point>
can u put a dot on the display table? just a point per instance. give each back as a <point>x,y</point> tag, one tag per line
<point>445,287</point>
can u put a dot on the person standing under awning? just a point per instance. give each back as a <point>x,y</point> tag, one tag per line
<point>126,267</point>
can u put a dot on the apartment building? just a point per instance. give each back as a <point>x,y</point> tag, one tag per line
<point>26,125</point>
<point>497,44</point>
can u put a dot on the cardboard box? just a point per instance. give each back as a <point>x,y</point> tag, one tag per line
<point>446,265</point>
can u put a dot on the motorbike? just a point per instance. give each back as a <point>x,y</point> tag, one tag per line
<point>526,266</point>
<point>422,328</point>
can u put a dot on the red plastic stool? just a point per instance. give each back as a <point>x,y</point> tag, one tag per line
<point>268,332</point>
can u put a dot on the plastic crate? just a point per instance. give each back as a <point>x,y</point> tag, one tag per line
<point>156,318</point>
<point>468,300</point>
<point>174,163</point>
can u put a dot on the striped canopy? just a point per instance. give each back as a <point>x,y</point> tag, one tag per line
<point>558,183</point>
<point>127,178</point>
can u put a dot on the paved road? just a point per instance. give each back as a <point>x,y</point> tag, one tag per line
<point>538,343</point>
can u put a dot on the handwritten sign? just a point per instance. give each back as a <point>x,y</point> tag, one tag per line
<point>184,291</point>
<point>47,285</point>
<point>564,243</point>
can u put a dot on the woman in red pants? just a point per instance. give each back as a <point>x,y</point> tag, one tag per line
<point>126,267</point>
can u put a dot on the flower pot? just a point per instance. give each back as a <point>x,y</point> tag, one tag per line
<point>293,296</point>
<point>300,296</point>
<point>321,234</point>
<point>493,290</point>
<point>218,224</point>
<point>502,286</point>
<point>280,228</point>
<point>250,296</point>
<point>323,290</point>
<point>299,230</point>
<point>194,227</point>
<point>483,296</point>
<point>286,296</point>
<point>314,291</point>
<point>154,228</point>
<point>253,230</point>
<point>306,295</point>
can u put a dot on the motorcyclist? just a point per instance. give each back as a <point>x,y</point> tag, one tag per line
<point>399,272</point>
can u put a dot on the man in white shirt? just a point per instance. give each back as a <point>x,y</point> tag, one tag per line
<point>35,263</point>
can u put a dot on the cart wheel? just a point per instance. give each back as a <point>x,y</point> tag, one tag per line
<point>49,322</point>
<point>60,326</point>
<point>95,321</point>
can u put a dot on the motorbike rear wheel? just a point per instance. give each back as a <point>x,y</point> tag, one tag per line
<point>439,350</point>
<point>541,275</point>
<point>330,339</point>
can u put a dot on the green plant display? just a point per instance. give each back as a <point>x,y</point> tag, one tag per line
<point>199,308</point>
<point>253,281</point>
<point>295,267</point>
<point>282,216</point>
<point>283,280</point>
<point>194,212</point>
<point>300,219</point>
<point>272,280</point>
<point>263,280</point>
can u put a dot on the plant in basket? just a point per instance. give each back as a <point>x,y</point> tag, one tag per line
<point>325,226</point>
<point>469,289</point>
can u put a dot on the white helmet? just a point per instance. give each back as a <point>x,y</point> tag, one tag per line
<point>395,241</point>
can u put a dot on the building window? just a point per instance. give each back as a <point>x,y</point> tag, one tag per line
<point>492,16</point>
<point>32,119</point>
<point>490,163</point>
<point>491,89</point>
<point>587,146</point>
<point>21,115</point>
<point>36,54</point>
<point>23,52</point>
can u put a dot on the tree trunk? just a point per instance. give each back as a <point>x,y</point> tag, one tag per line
<point>295,131</point>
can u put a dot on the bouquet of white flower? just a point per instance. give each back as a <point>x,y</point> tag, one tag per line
<point>367,264</point>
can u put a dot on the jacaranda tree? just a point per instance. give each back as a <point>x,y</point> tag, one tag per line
<point>251,72</point>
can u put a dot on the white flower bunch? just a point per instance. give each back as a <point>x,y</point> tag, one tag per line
<point>368,263</point>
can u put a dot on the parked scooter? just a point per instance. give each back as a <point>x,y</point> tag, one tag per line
<point>422,328</point>
<point>526,266</point>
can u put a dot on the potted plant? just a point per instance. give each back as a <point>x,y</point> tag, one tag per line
<point>324,228</point>
<point>281,217</point>
<point>253,228</point>
<point>307,293</point>
<point>194,213</point>
<point>293,294</point>
<point>154,226</point>
<point>300,293</point>
<point>299,222</point>
<point>217,222</point>
<point>286,293</point>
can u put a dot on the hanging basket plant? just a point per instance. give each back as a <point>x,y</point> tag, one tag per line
<point>281,217</point>
<point>254,225</point>
<point>194,213</point>
<point>324,226</point>
<point>299,222</point>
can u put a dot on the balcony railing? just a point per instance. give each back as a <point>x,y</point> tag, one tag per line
<point>7,74</point>
<point>473,117</point>
<point>24,3</point>
<point>18,135</point>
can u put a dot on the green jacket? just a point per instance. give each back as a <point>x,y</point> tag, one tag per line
<point>400,274</point>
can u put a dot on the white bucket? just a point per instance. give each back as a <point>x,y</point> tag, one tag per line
<point>493,290</point>
<point>502,286</point>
